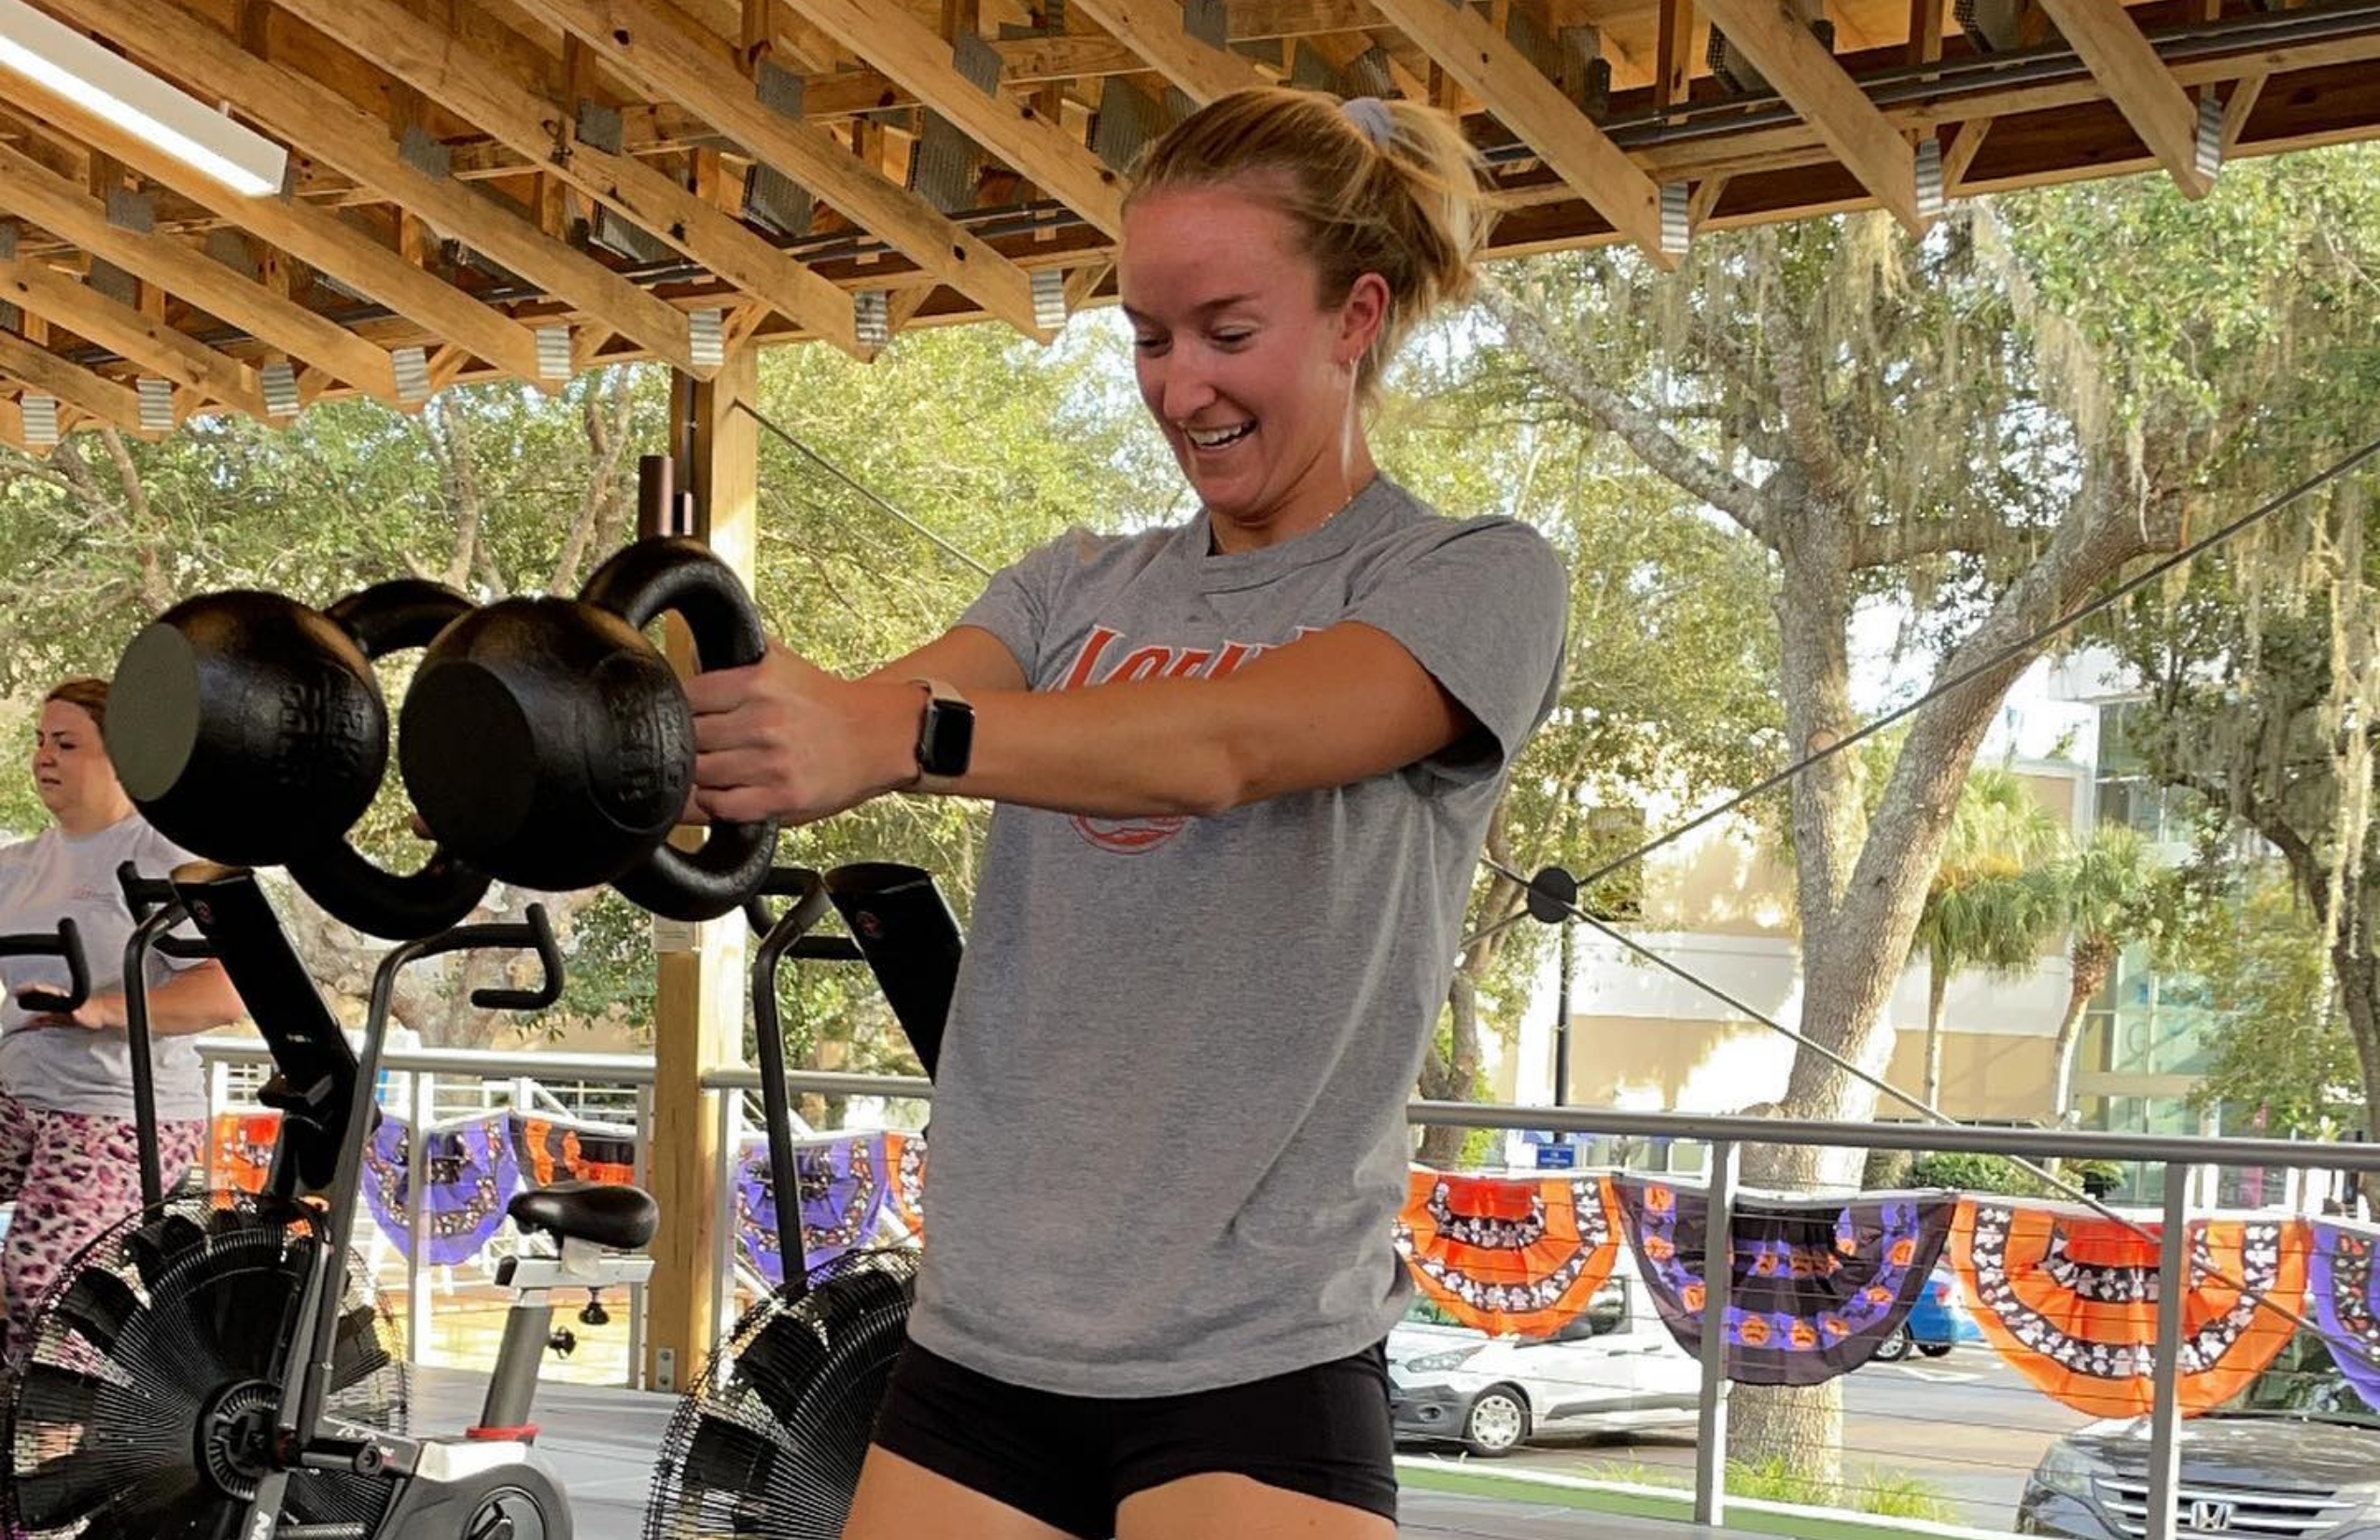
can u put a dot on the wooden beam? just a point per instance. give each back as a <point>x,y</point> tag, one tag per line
<point>909,53</point>
<point>123,330</point>
<point>43,371</point>
<point>588,345</point>
<point>2128,69</point>
<point>671,57</point>
<point>446,70</point>
<point>1672,42</point>
<point>1474,52</point>
<point>1782,48</point>
<point>333,130</point>
<point>699,995</point>
<point>321,237</point>
<point>60,207</point>
<point>1705,201</point>
<point>1799,143</point>
<point>1152,30</point>
<point>1926,31</point>
<point>2240,107</point>
<point>13,430</point>
<point>1959,159</point>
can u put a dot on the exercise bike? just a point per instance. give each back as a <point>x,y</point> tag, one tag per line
<point>769,1442</point>
<point>194,1375</point>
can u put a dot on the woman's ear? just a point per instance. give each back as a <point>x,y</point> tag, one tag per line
<point>1361,318</point>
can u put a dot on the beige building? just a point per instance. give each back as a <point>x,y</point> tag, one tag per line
<point>1719,906</point>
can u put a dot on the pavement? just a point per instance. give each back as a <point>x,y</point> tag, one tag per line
<point>1901,1418</point>
<point>1967,1426</point>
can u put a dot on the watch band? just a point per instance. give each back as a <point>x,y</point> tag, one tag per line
<point>938,693</point>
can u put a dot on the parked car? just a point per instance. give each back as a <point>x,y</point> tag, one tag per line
<point>1936,1325</point>
<point>1615,1367</point>
<point>2295,1455</point>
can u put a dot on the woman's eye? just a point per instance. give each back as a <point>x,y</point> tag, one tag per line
<point>1149,345</point>
<point>1232,338</point>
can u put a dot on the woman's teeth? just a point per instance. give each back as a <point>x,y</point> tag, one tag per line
<point>1218,437</point>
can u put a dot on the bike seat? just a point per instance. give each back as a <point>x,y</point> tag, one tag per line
<point>605,1213</point>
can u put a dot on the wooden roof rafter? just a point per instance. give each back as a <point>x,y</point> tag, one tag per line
<point>1807,75</point>
<point>1153,31</point>
<point>328,126</point>
<point>497,84</point>
<point>37,370</point>
<point>513,109</point>
<point>147,341</point>
<point>319,237</point>
<point>914,56</point>
<point>26,189</point>
<point>669,55</point>
<point>1493,69</point>
<point>2138,82</point>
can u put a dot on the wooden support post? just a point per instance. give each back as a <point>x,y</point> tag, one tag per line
<point>1673,53</point>
<point>698,1009</point>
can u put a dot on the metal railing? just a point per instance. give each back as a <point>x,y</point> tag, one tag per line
<point>522,1082</point>
<point>524,1078</point>
<point>1727,1136</point>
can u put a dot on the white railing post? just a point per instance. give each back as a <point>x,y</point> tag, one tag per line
<point>637,1291</point>
<point>418,1304</point>
<point>723,1237</point>
<point>1718,1283</point>
<point>2174,1278</point>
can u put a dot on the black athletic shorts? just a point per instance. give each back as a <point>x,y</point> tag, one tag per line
<point>1070,1460</point>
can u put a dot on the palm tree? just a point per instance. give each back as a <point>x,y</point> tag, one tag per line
<point>1988,906</point>
<point>2107,891</point>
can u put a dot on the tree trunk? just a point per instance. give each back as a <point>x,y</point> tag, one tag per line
<point>2092,961</point>
<point>1862,883</point>
<point>1937,986</point>
<point>1455,1077</point>
<point>1796,1426</point>
<point>2359,1000</point>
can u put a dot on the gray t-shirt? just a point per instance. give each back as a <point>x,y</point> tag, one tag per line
<point>55,877</point>
<point>1169,1132</point>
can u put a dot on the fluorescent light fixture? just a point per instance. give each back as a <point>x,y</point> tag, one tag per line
<point>54,55</point>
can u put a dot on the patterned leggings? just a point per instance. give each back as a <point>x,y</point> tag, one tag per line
<point>71,1175</point>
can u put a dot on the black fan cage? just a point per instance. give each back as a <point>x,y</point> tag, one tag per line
<point>175,1321</point>
<point>769,1441</point>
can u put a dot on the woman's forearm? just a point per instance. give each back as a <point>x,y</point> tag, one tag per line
<point>193,1001</point>
<point>1150,749</point>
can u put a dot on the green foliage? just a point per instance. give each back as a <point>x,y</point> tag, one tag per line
<point>2253,957</point>
<point>2109,888</point>
<point>1668,690</point>
<point>1963,1173</point>
<point>1887,1493</point>
<point>1992,903</point>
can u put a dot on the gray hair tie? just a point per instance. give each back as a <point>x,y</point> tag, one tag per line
<point>1371,115</point>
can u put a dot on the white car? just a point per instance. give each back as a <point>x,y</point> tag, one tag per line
<point>1614,1367</point>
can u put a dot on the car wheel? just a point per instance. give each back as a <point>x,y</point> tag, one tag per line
<point>1894,1347</point>
<point>1934,1349</point>
<point>1497,1423</point>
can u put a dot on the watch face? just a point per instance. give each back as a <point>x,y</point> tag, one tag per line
<point>949,738</point>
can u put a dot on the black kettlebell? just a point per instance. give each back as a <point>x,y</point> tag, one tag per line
<point>248,728</point>
<point>548,743</point>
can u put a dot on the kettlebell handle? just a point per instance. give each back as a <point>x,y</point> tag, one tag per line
<point>671,574</point>
<point>382,619</point>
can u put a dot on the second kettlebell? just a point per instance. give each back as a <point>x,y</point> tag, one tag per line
<point>548,743</point>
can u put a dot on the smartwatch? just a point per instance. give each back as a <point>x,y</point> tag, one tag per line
<point>945,735</point>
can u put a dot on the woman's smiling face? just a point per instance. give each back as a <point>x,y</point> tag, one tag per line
<point>1249,374</point>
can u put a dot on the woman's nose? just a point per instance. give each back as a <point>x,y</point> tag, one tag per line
<point>1186,393</point>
